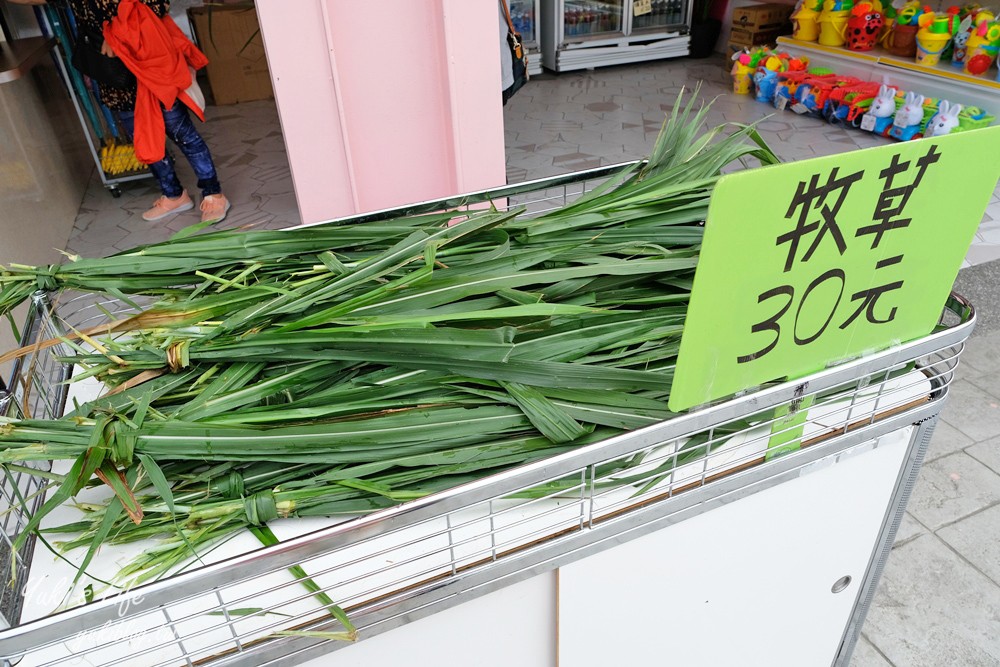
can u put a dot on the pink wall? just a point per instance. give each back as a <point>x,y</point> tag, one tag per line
<point>385,103</point>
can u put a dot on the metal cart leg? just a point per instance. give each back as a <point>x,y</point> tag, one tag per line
<point>897,507</point>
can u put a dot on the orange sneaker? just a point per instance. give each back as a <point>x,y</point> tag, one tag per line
<point>214,208</point>
<point>165,206</point>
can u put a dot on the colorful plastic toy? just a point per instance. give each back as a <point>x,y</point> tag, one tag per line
<point>909,118</point>
<point>788,84</point>
<point>902,38</point>
<point>959,41</point>
<point>805,21</point>
<point>864,27</point>
<point>944,121</point>
<point>933,38</point>
<point>847,103</point>
<point>833,23</point>
<point>742,74</point>
<point>879,117</point>
<point>766,82</point>
<point>974,118</point>
<point>983,44</point>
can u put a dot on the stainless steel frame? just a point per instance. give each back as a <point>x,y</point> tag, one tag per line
<point>400,564</point>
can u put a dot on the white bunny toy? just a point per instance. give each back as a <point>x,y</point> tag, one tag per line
<point>884,104</point>
<point>944,121</point>
<point>961,40</point>
<point>911,113</point>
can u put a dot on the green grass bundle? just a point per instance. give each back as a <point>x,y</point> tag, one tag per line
<point>343,368</point>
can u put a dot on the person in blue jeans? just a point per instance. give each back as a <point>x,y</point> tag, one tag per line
<point>181,130</point>
<point>92,15</point>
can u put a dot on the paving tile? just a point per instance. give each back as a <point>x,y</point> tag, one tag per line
<point>974,413</point>
<point>989,383</point>
<point>282,207</point>
<point>86,249</point>
<point>153,233</point>
<point>967,538</point>
<point>983,252</point>
<point>987,453</point>
<point>946,440</point>
<point>275,186</point>
<point>866,655</point>
<point>546,115</point>
<point>951,488</point>
<point>536,137</point>
<point>909,528</point>
<point>933,609</point>
<point>981,356</point>
<point>249,214</point>
<point>775,125</point>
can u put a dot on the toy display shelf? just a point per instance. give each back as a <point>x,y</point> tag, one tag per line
<point>942,80</point>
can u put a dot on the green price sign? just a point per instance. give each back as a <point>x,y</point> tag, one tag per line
<point>811,263</point>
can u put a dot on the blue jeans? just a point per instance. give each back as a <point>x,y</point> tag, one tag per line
<point>182,132</point>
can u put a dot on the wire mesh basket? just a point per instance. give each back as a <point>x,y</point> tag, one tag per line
<point>238,606</point>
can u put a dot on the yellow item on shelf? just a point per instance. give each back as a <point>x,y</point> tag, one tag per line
<point>832,26</point>
<point>980,53</point>
<point>806,25</point>
<point>984,15</point>
<point>930,45</point>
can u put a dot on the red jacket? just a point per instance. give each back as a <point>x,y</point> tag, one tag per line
<point>159,54</point>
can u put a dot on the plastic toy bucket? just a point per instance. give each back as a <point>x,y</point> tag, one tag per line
<point>806,25</point>
<point>979,55</point>
<point>902,40</point>
<point>930,46</point>
<point>742,79</point>
<point>832,26</point>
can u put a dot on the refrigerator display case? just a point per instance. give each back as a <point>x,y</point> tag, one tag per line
<point>524,15</point>
<point>579,34</point>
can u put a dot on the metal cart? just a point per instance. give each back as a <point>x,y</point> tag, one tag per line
<point>100,125</point>
<point>414,560</point>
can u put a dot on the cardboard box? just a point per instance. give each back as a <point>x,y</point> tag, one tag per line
<point>237,68</point>
<point>761,17</point>
<point>756,38</point>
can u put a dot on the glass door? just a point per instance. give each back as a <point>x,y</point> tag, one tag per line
<point>522,15</point>
<point>583,19</point>
<point>663,14</point>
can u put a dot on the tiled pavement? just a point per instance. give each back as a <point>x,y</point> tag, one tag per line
<point>580,120</point>
<point>939,600</point>
<point>249,153</point>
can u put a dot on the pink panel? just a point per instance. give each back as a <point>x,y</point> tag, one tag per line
<point>385,103</point>
<point>294,33</point>
<point>474,77</point>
